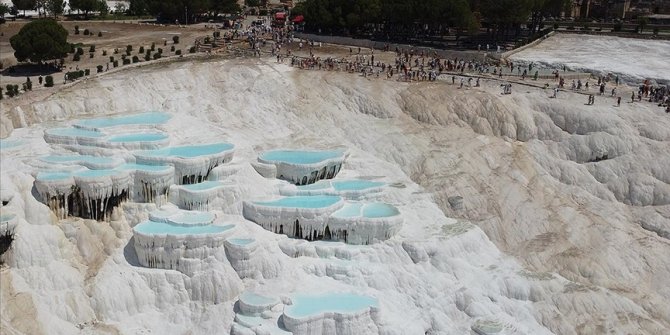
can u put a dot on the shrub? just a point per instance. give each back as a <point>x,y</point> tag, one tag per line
<point>129,48</point>
<point>655,31</point>
<point>165,43</point>
<point>116,51</point>
<point>99,68</point>
<point>136,59</point>
<point>87,72</point>
<point>80,51</point>
<point>87,32</point>
<point>92,48</point>
<point>116,63</point>
<point>91,55</point>
<point>76,30</point>
<point>618,26</point>
<point>100,34</point>
<point>175,39</point>
<point>141,50</point>
<point>127,52</point>
<point>104,52</point>
<point>191,50</point>
<point>555,26</point>
<point>570,27</point>
<point>172,48</point>
<point>111,59</point>
<point>178,52</point>
<point>157,55</point>
<point>207,40</point>
<point>48,81</point>
<point>1,93</point>
<point>160,50</point>
<point>153,46</point>
<point>73,75</point>
<point>126,61</point>
<point>10,90</point>
<point>147,57</point>
<point>217,34</point>
<point>76,58</point>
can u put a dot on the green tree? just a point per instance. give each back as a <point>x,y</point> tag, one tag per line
<point>55,7</point>
<point>24,5</point>
<point>40,40</point>
<point>4,9</point>
<point>88,6</point>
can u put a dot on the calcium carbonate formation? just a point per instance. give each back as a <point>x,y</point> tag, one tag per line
<point>192,163</point>
<point>93,194</point>
<point>325,218</point>
<point>197,196</point>
<point>300,167</point>
<point>300,314</point>
<point>179,240</point>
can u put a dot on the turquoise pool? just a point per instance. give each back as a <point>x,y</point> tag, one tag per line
<point>96,173</point>
<point>319,201</point>
<point>6,144</point>
<point>137,119</point>
<point>379,210</point>
<point>192,218</point>
<point>153,227</point>
<point>299,156</point>
<point>49,176</point>
<point>6,217</point>
<point>144,167</point>
<point>304,306</point>
<point>371,210</point>
<point>241,241</point>
<point>74,132</point>
<point>251,298</point>
<point>355,185</point>
<point>189,151</point>
<point>98,160</point>
<point>137,137</point>
<point>205,185</point>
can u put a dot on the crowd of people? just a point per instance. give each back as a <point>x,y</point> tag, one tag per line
<point>411,65</point>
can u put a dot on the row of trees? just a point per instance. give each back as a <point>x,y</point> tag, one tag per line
<point>182,10</point>
<point>57,7</point>
<point>434,16</point>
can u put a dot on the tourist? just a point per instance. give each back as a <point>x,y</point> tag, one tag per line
<point>632,97</point>
<point>618,101</point>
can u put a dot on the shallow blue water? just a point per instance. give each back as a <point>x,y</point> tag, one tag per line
<point>304,306</point>
<point>251,298</point>
<point>137,119</point>
<point>355,185</point>
<point>74,132</point>
<point>205,185</point>
<point>192,218</point>
<point>137,137</point>
<point>189,151</point>
<point>143,167</point>
<point>6,217</point>
<point>152,227</point>
<point>318,201</point>
<point>371,210</point>
<point>349,210</point>
<point>299,156</point>
<point>319,185</point>
<point>96,173</point>
<point>79,158</point>
<point>379,210</point>
<point>6,144</point>
<point>241,241</point>
<point>53,175</point>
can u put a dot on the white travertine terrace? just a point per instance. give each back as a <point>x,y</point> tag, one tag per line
<point>301,167</point>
